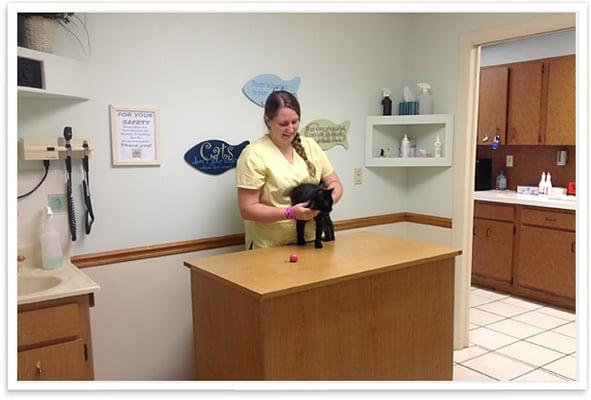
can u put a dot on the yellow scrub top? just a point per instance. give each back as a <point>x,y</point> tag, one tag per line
<point>262,166</point>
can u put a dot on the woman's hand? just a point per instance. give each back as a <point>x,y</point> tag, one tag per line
<point>304,213</point>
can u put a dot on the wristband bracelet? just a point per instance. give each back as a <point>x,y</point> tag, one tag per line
<point>289,213</point>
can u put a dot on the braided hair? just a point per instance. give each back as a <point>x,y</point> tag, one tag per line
<point>275,102</point>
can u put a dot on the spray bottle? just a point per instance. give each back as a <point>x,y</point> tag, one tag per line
<point>51,244</point>
<point>425,101</point>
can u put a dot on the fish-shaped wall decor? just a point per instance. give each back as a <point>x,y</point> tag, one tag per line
<point>214,156</point>
<point>328,134</point>
<point>258,88</point>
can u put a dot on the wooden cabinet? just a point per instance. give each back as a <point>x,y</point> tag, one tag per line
<point>561,110</point>
<point>546,257</point>
<point>492,249</point>
<point>54,341</point>
<point>546,261</point>
<point>492,112</point>
<point>524,104</point>
<point>526,251</point>
<point>528,103</point>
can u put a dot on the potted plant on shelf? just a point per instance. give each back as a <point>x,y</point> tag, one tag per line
<point>37,30</point>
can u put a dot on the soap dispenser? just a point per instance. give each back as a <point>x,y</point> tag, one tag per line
<point>542,184</point>
<point>51,244</point>
<point>501,181</point>
<point>548,184</point>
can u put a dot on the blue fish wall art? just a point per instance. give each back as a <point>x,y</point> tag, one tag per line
<point>258,88</point>
<point>214,156</point>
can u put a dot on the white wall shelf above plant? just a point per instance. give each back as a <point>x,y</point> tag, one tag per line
<point>386,132</point>
<point>62,78</point>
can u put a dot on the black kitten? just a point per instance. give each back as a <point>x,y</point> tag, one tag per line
<point>318,198</point>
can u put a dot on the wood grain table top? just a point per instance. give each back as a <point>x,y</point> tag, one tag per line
<point>269,273</point>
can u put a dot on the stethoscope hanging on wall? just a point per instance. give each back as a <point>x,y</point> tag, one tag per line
<point>89,215</point>
<point>70,198</point>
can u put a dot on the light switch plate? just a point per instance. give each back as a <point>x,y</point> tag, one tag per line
<point>357,176</point>
<point>509,161</point>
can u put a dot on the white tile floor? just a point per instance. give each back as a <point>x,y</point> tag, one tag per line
<point>512,339</point>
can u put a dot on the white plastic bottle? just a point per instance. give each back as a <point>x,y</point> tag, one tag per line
<point>542,184</point>
<point>437,147</point>
<point>51,243</point>
<point>425,101</point>
<point>548,184</point>
<point>405,147</point>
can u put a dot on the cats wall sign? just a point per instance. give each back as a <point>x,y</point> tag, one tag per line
<point>134,136</point>
<point>214,156</point>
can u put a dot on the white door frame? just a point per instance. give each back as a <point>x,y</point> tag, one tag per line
<point>465,149</point>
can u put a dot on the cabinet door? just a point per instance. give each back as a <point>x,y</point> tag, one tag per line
<point>525,99</point>
<point>63,361</point>
<point>492,104</point>
<point>561,110</point>
<point>546,261</point>
<point>492,249</point>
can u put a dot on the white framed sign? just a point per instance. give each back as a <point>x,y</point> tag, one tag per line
<point>135,136</point>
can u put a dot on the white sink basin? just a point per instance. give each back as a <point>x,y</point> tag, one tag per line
<point>32,284</point>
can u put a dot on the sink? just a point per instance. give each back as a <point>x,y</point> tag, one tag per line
<point>33,284</point>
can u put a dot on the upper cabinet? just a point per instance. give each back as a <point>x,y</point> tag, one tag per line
<point>61,77</point>
<point>492,113</point>
<point>531,102</point>
<point>524,104</point>
<point>561,110</point>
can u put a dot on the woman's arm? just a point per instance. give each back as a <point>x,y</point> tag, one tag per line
<point>332,181</point>
<point>251,209</point>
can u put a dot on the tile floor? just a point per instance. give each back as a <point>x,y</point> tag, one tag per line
<point>512,339</point>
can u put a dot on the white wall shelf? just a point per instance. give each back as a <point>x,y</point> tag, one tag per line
<point>63,78</point>
<point>386,132</point>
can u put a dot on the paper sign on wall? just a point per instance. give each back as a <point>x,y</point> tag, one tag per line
<point>214,156</point>
<point>328,134</point>
<point>134,135</point>
<point>258,88</point>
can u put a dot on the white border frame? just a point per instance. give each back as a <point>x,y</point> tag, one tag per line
<point>116,161</point>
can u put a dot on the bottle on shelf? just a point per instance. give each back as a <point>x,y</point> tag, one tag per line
<point>425,101</point>
<point>386,102</point>
<point>437,147</point>
<point>405,147</point>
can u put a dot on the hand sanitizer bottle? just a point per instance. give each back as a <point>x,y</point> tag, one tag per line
<point>501,181</point>
<point>51,244</point>
<point>542,184</point>
<point>437,147</point>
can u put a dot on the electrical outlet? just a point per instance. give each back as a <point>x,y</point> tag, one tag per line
<point>509,161</point>
<point>357,176</point>
<point>57,202</point>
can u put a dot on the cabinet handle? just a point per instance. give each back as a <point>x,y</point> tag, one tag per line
<point>38,366</point>
<point>550,219</point>
<point>487,231</point>
<point>572,247</point>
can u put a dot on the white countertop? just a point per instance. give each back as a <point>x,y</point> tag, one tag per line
<point>72,281</point>
<point>508,196</point>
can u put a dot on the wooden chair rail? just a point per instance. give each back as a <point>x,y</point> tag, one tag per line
<point>188,246</point>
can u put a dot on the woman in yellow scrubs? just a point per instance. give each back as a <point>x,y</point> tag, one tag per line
<point>270,167</point>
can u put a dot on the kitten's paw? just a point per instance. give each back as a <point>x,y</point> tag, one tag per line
<point>318,245</point>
